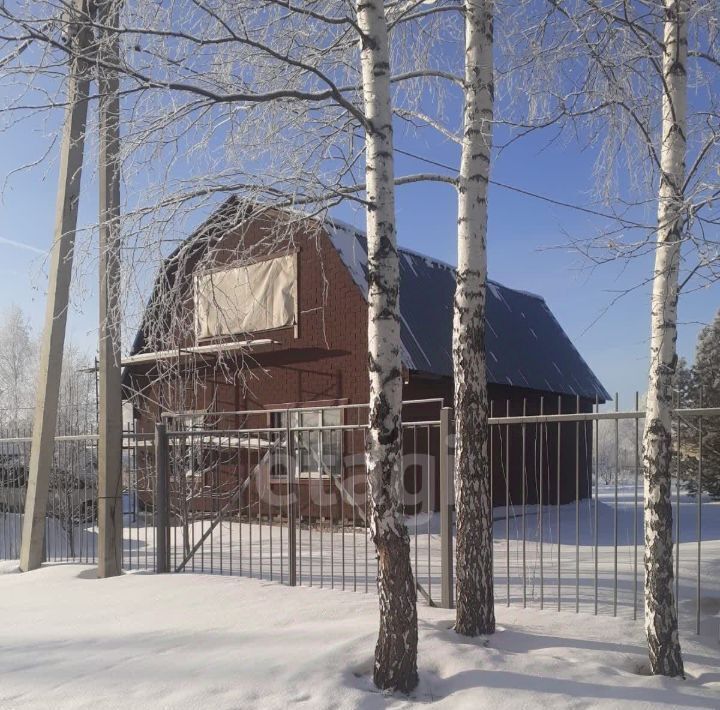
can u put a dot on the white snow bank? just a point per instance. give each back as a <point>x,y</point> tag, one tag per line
<point>188,641</point>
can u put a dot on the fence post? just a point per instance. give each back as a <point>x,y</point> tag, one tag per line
<point>162,526</point>
<point>292,504</point>
<point>446,503</point>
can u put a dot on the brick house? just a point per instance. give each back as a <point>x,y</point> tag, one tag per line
<point>303,342</point>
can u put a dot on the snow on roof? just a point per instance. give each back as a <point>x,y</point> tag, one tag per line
<point>527,344</point>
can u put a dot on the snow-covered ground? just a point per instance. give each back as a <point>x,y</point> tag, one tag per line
<point>70,640</point>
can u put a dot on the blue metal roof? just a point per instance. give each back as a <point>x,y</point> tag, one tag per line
<point>525,344</point>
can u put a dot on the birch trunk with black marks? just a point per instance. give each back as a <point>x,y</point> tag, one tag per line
<point>661,624</point>
<point>396,650</point>
<point>474,587</point>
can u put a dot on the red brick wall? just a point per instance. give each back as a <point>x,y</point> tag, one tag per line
<point>327,361</point>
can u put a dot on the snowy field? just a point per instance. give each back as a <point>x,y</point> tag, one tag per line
<point>195,641</point>
<point>228,641</point>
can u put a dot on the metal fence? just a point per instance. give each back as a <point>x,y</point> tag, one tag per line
<point>584,551</point>
<point>281,495</point>
<point>71,521</point>
<point>72,497</point>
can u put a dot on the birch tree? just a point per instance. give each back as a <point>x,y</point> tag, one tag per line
<point>661,624</point>
<point>470,69</point>
<point>618,74</point>
<point>475,596</point>
<point>396,650</point>
<point>17,361</point>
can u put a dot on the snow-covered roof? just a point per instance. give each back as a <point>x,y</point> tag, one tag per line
<point>525,344</point>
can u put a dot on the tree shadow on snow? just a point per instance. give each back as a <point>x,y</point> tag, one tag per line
<point>511,680</point>
<point>511,641</point>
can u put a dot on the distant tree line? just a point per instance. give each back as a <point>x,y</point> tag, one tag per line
<point>19,351</point>
<point>699,386</point>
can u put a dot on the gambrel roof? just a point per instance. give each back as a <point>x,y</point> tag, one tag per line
<point>525,344</point>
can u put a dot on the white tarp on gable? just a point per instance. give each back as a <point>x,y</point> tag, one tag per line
<point>246,299</point>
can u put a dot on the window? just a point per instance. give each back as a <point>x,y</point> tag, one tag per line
<point>191,453</point>
<point>319,451</point>
<point>246,299</point>
<point>318,443</point>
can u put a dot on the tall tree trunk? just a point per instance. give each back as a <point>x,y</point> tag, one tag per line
<point>661,624</point>
<point>396,650</point>
<point>475,596</point>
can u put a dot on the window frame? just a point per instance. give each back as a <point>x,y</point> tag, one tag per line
<point>277,419</point>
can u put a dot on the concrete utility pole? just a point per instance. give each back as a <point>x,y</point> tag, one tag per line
<point>110,399</point>
<point>51,352</point>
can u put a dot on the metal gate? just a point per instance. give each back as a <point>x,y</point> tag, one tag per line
<point>282,494</point>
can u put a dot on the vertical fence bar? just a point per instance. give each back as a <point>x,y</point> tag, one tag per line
<point>250,507</point>
<point>492,492</point>
<point>162,529</point>
<point>201,511</point>
<point>699,514</point>
<point>258,488</point>
<point>596,502</point>
<point>507,502</point>
<point>332,514</point>
<point>354,514</point>
<point>270,498</point>
<point>231,457</point>
<point>310,526</point>
<point>559,466</point>
<point>677,509</point>
<point>291,505</point>
<point>429,513</point>
<point>615,508</point>
<point>416,516</point>
<point>216,502</point>
<point>280,531</point>
<point>367,574</point>
<point>342,477</point>
<point>240,502</point>
<point>524,507</point>
<point>577,507</point>
<point>321,485</point>
<point>541,503</point>
<point>635,506</point>
<point>446,539</point>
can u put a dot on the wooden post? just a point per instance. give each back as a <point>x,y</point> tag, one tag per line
<point>61,259</point>
<point>110,396</point>
<point>446,501</point>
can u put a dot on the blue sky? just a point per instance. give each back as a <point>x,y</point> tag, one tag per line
<point>521,232</point>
